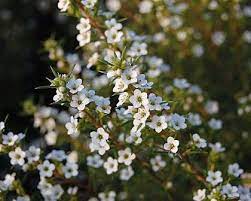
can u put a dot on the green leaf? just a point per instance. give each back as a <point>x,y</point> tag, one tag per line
<point>54,71</point>
<point>45,87</point>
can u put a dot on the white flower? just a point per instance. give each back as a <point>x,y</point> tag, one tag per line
<point>74,60</point>
<point>212,107</point>
<point>213,5</point>
<point>178,122</point>
<point>199,142</point>
<point>84,38</point>
<point>17,156</point>
<point>244,193</point>
<point>43,185</point>
<point>158,123</point>
<point>46,169</point>
<point>200,195</point>
<point>197,50</point>
<point>159,37</point>
<point>59,96</point>
<point>217,147</point>
<point>22,198</point>
<point>51,137</point>
<point>89,3</point>
<point>134,137</point>
<point>80,100</point>
<point>74,85</point>
<point>72,190</point>
<point>99,141</point>
<point>142,82</point>
<point>10,139</point>
<point>112,73</point>
<point>112,23</point>
<point>94,161</point>
<point>137,49</point>
<point>113,5</point>
<point>157,163</point>
<point>181,83</point>
<point>33,154</point>
<point>215,124</point>
<point>84,25</point>
<point>195,89</point>
<point>129,76</point>
<point>218,38</point>
<point>126,156</point>
<point>72,157</point>
<point>70,170</point>
<point>113,35</point>
<point>2,126</point>
<point>139,98</point>
<point>120,85</point>
<point>90,94</point>
<point>235,170</point>
<point>154,102</point>
<point>247,36</point>
<point>122,98</point>
<point>103,105</point>
<point>175,22</point>
<point>126,173</point>
<point>230,191</point>
<point>7,182</point>
<point>58,155</point>
<point>109,196</point>
<point>181,36</point>
<point>100,136</point>
<point>111,165</point>
<point>171,145</point>
<point>20,136</point>
<point>63,5</point>
<point>145,6</point>
<point>141,116</point>
<point>247,11</point>
<point>165,106</point>
<point>214,177</point>
<point>52,192</point>
<point>92,60</point>
<point>194,119</point>
<point>72,127</point>
<point>100,148</point>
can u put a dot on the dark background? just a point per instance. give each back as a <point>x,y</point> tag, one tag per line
<point>24,25</point>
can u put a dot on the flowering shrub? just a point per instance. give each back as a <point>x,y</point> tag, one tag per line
<point>127,126</point>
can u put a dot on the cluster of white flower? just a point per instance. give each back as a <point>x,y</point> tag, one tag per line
<point>113,33</point>
<point>84,35</point>
<point>215,178</point>
<point>135,103</point>
<point>31,160</point>
<point>244,105</point>
<point>222,192</point>
<point>134,126</point>
<point>156,66</point>
<point>46,118</point>
<point>99,141</point>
